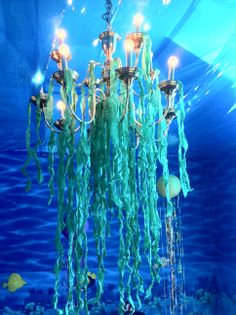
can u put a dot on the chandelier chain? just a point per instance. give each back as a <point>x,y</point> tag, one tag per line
<point>108,14</point>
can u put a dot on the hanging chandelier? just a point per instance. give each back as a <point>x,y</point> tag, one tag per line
<point>104,152</point>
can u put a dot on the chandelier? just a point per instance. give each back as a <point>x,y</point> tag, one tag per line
<point>105,150</point>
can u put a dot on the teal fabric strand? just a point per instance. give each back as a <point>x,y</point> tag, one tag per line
<point>48,111</point>
<point>147,159</point>
<point>99,208</point>
<point>39,141</point>
<point>61,183</point>
<point>183,146</point>
<point>82,215</point>
<point>100,166</point>
<point>51,145</point>
<point>146,57</point>
<point>162,154</point>
<point>29,150</point>
<point>32,149</point>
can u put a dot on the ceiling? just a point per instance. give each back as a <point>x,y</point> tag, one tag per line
<point>202,33</point>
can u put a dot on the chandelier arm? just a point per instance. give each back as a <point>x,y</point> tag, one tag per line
<point>77,129</point>
<point>48,124</point>
<point>168,126</point>
<point>53,129</point>
<point>162,117</point>
<point>77,117</point>
<point>165,132</point>
<point>101,91</point>
<point>74,114</point>
<point>169,101</point>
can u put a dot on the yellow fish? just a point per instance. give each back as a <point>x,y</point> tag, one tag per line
<point>15,281</point>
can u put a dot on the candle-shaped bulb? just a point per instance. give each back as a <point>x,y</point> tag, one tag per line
<point>129,46</point>
<point>166,2</point>
<point>172,63</point>
<point>61,35</point>
<point>138,21</point>
<point>64,51</point>
<point>62,107</point>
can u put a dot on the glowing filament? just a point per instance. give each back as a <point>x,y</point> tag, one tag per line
<point>64,50</point>
<point>65,54</point>
<point>138,21</point>
<point>61,35</point>
<point>172,63</point>
<point>166,2</point>
<point>62,107</point>
<point>129,46</point>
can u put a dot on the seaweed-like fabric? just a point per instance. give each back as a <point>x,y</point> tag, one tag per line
<point>108,171</point>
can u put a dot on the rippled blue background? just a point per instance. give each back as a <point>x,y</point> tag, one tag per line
<point>208,226</point>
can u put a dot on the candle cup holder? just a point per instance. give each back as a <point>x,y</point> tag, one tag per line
<point>137,39</point>
<point>57,57</point>
<point>126,73</point>
<point>86,83</point>
<point>60,78</point>
<point>59,124</point>
<point>168,86</point>
<point>42,103</point>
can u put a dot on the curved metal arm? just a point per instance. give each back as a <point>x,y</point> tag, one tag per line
<point>94,108</point>
<point>166,131</point>
<point>52,128</point>
<point>48,124</point>
<point>157,122</point>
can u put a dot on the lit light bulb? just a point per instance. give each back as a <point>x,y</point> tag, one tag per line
<point>64,50</point>
<point>129,46</point>
<point>138,21</point>
<point>62,107</point>
<point>61,35</point>
<point>166,2</point>
<point>172,63</point>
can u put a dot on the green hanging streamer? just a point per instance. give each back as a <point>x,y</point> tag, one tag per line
<point>183,145</point>
<point>60,214</point>
<point>162,154</point>
<point>81,215</point>
<point>51,144</point>
<point>106,171</point>
<point>29,150</point>
<point>32,150</point>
